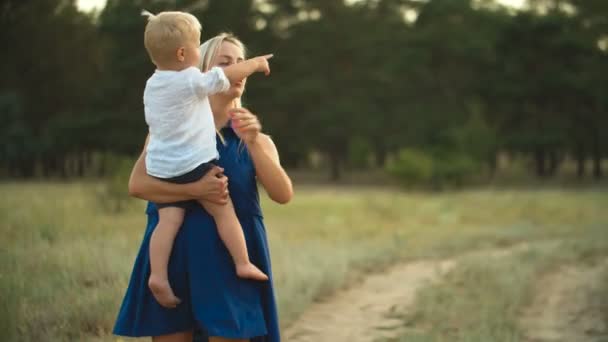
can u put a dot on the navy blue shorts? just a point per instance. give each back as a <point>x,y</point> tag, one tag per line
<point>190,177</point>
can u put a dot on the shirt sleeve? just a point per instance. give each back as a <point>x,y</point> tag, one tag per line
<point>210,82</point>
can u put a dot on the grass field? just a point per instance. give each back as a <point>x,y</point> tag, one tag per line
<point>66,262</point>
<point>485,298</point>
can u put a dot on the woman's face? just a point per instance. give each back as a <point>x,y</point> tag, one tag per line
<point>229,54</point>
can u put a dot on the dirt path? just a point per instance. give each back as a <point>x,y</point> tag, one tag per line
<point>564,309</point>
<point>363,312</point>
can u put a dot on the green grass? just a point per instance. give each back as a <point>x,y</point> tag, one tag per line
<point>66,259</point>
<point>482,299</point>
<point>601,291</point>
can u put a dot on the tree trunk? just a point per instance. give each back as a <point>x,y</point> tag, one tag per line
<point>539,157</point>
<point>102,164</point>
<point>334,160</point>
<point>12,170</point>
<point>62,166</point>
<point>46,167</point>
<point>80,166</point>
<point>26,168</point>
<point>597,157</point>
<point>381,154</point>
<point>493,164</point>
<point>580,161</point>
<point>553,163</point>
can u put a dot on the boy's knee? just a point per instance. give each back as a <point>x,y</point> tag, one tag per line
<point>217,210</point>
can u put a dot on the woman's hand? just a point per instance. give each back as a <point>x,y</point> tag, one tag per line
<point>213,187</point>
<point>245,124</point>
<point>264,155</point>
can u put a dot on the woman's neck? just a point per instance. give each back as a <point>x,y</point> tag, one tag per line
<point>219,107</point>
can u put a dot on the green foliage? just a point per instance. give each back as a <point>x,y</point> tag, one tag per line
<point>15,135</point>
<point>476,138</point>
<point>113,195</point>
<point>453,169</point>
<point>412,167</point>
<point>437,170</point>
<point>455,158</point>
<point>359,153</point>
<point>471,75</point>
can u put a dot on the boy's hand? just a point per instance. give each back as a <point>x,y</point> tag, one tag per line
<point>262,64</point>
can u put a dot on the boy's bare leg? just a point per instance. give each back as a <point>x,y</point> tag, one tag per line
<point>222,339</point>
<point>161,243</point>
<point>231,233</point>
<point>185,336</point>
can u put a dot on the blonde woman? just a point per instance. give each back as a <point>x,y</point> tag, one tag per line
<point>214,299</point>
<point>181,145</point>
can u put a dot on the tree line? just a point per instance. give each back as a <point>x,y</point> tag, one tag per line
<point>357,81</point>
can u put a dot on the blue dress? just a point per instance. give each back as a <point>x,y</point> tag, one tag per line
<point>201,271</point>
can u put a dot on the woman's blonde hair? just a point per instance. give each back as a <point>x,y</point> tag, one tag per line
<point>209,50</point>
<point>211,47</point>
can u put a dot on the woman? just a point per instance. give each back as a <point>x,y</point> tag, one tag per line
<point>201,271</point>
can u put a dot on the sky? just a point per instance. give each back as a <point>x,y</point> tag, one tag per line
<point>88,5</point>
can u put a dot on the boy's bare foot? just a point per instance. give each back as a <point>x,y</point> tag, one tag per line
<point>162,292</point>
<point>249,271</point>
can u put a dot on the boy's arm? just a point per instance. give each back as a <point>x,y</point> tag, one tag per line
<point>239,71</point>
<point>217,80</point>
<point>210,82</point>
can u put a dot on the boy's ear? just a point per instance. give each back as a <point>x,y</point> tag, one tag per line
<point>181,54</point>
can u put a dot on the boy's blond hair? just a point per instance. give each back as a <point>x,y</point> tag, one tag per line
<point>166,32</point>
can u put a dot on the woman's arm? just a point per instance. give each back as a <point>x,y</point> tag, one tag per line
<point>264,154</point>
<point>144,186</point>
<point>268,168</point>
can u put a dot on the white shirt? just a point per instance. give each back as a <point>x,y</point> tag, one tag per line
<point>180,121</point>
